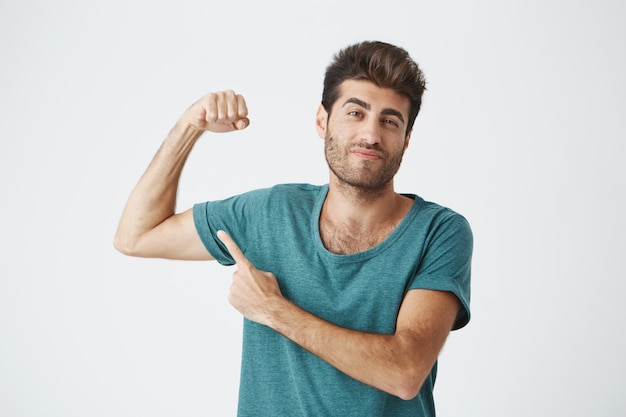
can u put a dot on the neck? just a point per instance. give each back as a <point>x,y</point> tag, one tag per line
<point>361,208</point>
<point>356,222</point>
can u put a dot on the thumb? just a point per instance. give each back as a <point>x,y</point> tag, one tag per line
<point>242,123</point>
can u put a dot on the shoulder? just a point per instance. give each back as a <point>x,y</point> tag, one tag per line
<point>279,191</point>
<point>295,193</point>
<point>297,189</point>
<point>437,222</point>
<point>273,200</point>
<point>438,214</point>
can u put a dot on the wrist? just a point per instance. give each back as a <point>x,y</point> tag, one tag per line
<point>187,131</point>
<point>182,136</point>
<point>281,316</point>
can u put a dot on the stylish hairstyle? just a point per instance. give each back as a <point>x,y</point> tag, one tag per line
<point>383,64</point>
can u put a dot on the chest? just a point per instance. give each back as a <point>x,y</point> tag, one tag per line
<point>344,241</point>
<point>363,295</point>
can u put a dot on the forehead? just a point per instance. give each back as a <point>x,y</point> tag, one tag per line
<point>376,97</point>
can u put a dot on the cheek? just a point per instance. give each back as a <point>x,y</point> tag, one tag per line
<point>340,125</point>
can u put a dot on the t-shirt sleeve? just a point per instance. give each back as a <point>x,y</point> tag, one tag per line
<point>446,263</point>
<point>231,215</point>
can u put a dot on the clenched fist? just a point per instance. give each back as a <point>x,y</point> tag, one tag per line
<point>223,111</point>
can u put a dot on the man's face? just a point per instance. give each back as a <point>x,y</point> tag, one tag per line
<point>365,135</point>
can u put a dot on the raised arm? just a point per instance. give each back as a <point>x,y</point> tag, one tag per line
<point>149,226</point>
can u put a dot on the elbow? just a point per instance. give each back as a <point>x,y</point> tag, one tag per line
<point>408,395</point>
<point>408,392</point>
<point>408,385</point>
<point>125,245</point>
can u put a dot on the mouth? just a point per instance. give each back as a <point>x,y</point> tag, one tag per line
<point>366,154</point>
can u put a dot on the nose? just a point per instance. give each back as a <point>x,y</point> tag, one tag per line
<point>370,131</point>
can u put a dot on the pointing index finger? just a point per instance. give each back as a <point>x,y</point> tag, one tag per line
<point>233,248</point>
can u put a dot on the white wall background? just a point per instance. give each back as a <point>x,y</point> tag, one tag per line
<point>523,130</point>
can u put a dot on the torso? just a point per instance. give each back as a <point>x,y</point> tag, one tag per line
<point>344,290</point>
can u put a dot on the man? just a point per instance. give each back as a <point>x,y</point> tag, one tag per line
<point>349,289</point>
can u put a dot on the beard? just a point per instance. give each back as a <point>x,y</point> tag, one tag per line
<point>371,177</point>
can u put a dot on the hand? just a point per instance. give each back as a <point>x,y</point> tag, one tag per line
<point>253,293</point>
<point>223,111</point>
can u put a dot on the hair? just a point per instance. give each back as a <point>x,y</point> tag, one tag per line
<point>385,65</point>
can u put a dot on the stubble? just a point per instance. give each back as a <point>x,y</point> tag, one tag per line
<point>365,177</point>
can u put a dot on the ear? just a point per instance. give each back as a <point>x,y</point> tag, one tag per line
<point>321,121</point>
<point>407,139</point>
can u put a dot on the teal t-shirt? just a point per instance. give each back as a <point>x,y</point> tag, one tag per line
<point>277,230</point>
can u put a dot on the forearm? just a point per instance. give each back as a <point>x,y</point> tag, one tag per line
<point>392,363</point>
<point>153,199</point>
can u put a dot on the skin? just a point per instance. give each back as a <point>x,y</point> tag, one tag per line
<point>365,139</point>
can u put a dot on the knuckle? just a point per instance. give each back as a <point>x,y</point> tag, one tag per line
<point>211,114</point>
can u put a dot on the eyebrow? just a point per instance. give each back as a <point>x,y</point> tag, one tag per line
<point>366,106</point>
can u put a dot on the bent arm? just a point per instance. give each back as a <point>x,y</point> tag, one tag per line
<point>397,364</point>
<point>149,226</point>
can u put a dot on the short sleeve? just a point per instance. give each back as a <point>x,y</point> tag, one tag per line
<point>231,215</point>
<point>446,262</point>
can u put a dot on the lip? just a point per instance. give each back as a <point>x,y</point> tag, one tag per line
<point>366,154</point>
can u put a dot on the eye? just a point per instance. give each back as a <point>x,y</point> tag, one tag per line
<point>355,113</point>
<point>391,122</point>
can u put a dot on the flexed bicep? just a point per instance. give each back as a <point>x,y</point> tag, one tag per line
<point>174,238</point>
<point>149,226</point>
